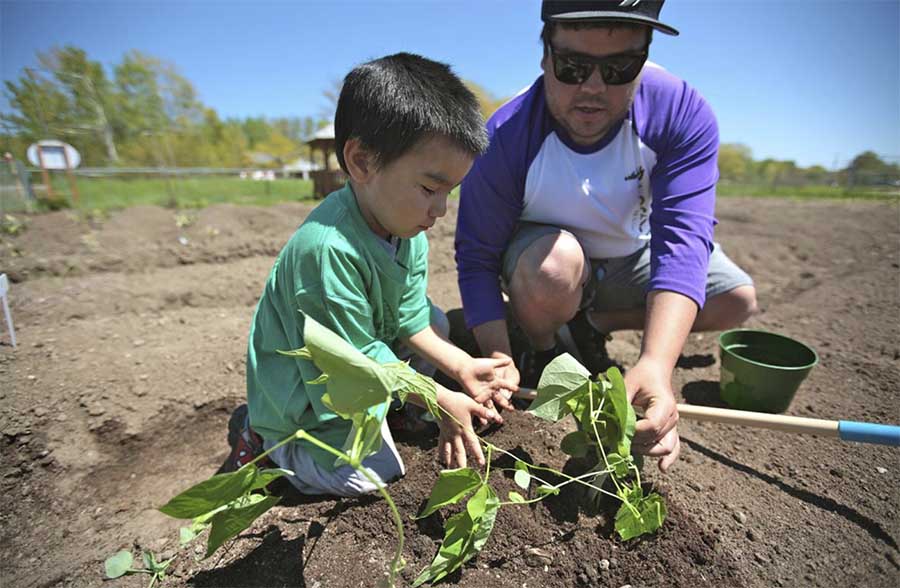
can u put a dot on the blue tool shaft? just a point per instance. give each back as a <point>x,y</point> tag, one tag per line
<point>869,433</point>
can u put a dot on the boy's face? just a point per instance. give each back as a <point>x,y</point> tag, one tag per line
<point>408,195</point>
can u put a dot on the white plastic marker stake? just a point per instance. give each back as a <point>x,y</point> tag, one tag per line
<point>844,430</point>
<point>4,288</point>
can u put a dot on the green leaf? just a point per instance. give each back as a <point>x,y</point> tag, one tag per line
<point>484,525</point>
<point>267,476</point>
<point>355,381</point>
<point>210,494</point>
<point>576,443</point>
<point>364,438</point>
<point>523,479</point>
<point>149,561</point>
<point>544,490</point>
<point>412,382</point>
<point>651,514</point>
<point>624,412</point>
<point>516,497</point>
<point>231,521</point>
<point>464,536</point>
<point>457,532</point>
<point>302,353</point>
<point>322,379</point>
<point>619,464</point>
<point>478,502</point>
<point>118,564</point>
<point>450,487</point>
<point>186,535</point>
<point>562,384</point>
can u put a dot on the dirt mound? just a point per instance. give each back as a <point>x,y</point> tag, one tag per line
<point>132,332</point>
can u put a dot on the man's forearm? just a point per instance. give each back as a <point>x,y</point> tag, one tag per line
<point>493,338</point>
<point>669,319</point>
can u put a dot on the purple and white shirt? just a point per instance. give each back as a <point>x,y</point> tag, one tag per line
<point>651,178</point>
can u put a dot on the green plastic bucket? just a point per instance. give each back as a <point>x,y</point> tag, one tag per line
<point>761,371</point>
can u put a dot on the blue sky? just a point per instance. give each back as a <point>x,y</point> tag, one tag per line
<point>815,81</point>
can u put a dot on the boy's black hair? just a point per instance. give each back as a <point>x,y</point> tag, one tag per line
<point>391,103</point>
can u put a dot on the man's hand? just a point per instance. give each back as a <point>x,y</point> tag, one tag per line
<point>457,437</point>
<point>490,381</point>
<point>649,387</point>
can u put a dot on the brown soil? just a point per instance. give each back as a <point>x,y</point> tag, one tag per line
<point>130,359</point>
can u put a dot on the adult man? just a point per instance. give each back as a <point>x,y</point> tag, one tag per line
<point>596,197</point>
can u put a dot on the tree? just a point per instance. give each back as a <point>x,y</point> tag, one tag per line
<point>89,94</point>
<point>486,101</point>
<point>68,97</point>
<point>868,168</point>
<point>279,147</point>
<point>735,162</point>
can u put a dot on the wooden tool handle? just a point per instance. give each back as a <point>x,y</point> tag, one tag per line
<point>778,422</point>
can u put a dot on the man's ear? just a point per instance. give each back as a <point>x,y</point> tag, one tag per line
<point>359,160</point>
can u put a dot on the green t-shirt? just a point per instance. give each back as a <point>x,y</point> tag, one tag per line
<point>337,271</point>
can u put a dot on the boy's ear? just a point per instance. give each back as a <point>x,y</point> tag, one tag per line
<point>359,160</point>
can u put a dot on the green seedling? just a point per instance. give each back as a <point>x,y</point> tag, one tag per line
<point>120,565</point>
<point>606,423</point>
<point>360,390</point>
<point>11,225</point>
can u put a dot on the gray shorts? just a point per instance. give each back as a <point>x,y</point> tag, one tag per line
<point>620,283</point>
<point>385,465</point>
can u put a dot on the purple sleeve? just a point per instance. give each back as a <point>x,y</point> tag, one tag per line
<point>490,206</point>
<point>682,129</point>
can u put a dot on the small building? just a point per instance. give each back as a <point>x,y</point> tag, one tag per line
<point>329,178</point>
<point>300,168</point>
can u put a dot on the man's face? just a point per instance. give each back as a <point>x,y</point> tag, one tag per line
<point>408,195</point>
<point>588,110</point>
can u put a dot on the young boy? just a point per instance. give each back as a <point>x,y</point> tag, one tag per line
<point>406,132</point>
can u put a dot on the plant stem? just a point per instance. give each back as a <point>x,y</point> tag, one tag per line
<point>569,479</point>
<point>396,564</point>
<point>284,441</point>
<point>599,443</point>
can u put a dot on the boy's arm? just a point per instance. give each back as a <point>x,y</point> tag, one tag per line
<point>481,378</point>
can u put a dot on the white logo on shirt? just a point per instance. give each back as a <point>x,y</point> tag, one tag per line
<point>586,186</point>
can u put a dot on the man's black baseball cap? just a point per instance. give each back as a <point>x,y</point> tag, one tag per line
<point>644,12</point>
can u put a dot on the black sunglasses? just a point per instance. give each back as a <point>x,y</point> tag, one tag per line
<point>576,68</point>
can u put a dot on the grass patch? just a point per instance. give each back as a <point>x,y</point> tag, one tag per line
<point>180,192</point>
<point>808,192</point>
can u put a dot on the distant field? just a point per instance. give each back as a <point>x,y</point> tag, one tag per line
<point>812,191</point>
<point>200,191</point>
<point>177,192</point>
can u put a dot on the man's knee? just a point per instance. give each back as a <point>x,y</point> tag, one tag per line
<point>550,272</point>
<point>735,307</point>
<point>744,302</point>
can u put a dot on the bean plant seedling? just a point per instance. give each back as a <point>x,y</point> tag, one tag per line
<point>120,564</point>
<point>360,390</point>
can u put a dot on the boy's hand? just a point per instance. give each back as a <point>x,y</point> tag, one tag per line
<point>490,381</point>
<point>457,437</point>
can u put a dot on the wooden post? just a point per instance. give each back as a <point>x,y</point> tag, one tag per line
<point>44,173</point>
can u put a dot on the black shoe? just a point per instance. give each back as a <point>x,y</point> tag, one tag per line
<point>591,344</point>
<point>531,365</point>
<point>246,444</point>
